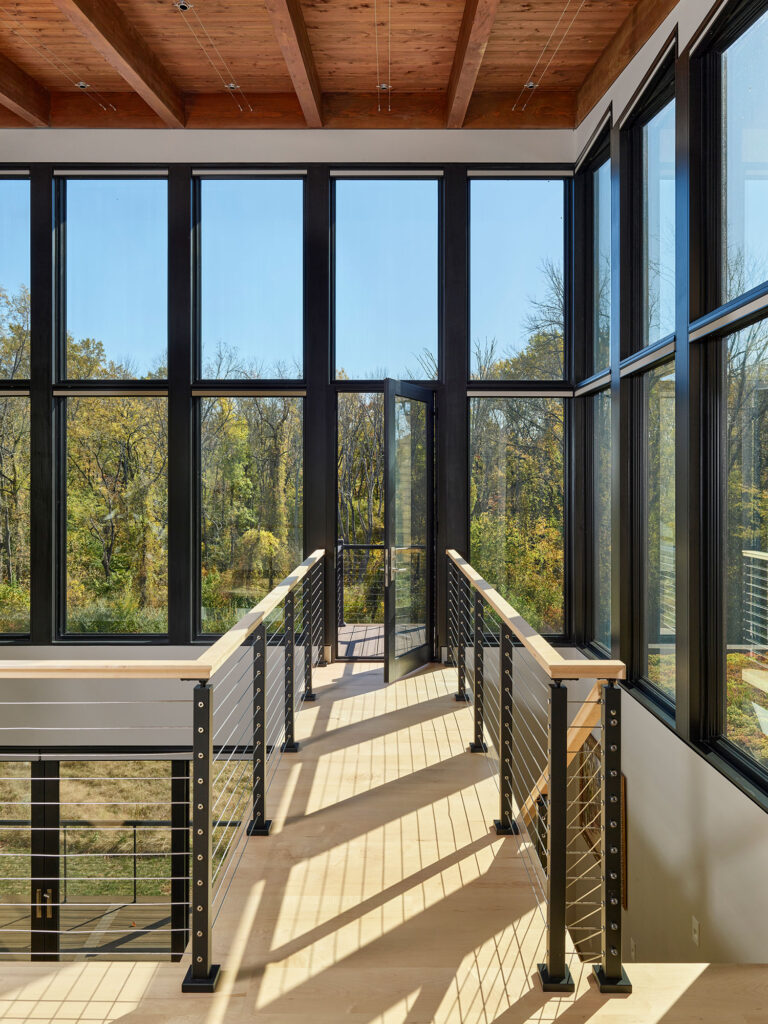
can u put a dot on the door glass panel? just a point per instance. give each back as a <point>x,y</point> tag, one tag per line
<point>409,552</point>
<point>15,858</point>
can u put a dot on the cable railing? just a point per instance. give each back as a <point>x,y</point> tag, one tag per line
<point>550,727</point>
<point>360,599</point>
<point>240,701</point>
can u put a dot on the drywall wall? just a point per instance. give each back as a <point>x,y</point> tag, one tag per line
<point>697,847</point>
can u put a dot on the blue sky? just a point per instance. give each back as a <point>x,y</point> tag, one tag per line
<point>515,226</point>
<point>386,266</point>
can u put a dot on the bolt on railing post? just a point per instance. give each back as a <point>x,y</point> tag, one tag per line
<point>610,973</point>
<point>554,974</point>
<point>506,824</point>
<point>259,824</point>
<point>463,631</point>
<point>321,660</point>
<point>308,620</point>
<point>478,745</point>
<point>203,975</point>
<point>290,745</point>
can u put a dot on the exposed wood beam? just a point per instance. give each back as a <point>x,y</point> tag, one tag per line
<point>474,34</point>
<point>634,33</point>
<point>291,33</point>
<point>544,109</point>
<point>22,94</point>
<point>103,23</point>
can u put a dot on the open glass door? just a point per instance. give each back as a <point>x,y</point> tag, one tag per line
<point>408,456</point>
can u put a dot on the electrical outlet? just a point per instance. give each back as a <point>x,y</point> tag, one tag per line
<point>695,931</point>
<point>632,950</point>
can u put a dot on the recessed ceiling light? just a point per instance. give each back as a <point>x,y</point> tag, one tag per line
<point>81,85</point>
<point>183,5</point>
<point>530,85</point>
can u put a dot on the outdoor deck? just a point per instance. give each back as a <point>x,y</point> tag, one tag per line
<point>383,896</point>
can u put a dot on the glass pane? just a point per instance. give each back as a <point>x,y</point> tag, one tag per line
<point>115,856</point>
<point>409,553</point>
<point>659,619</point>
<point>517,489</point>
<point>14,279</point>
<point>601,266</point>
<point>252,488</point>
<point>746,574</point>
<point>252,278</point>
<point>117,515</point>
<point>517,293</point>
<point>15,857</point>
<point>117,278</point>
<point>745,161</point>
<point>659,226</point>
<point>360,525</point>
<point>386,294</point>
<point>601,411</point>
<point>14,514</point>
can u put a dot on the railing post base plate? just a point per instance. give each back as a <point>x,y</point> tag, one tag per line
<point>263,829</point>
<point>549,984</point>
<point>208,984</point>
<point>478,748</point>
<point>462,696</point>
<point>622,985</point>
<point>513,829</point>
<point>310,696</point>
<point>289,748</point>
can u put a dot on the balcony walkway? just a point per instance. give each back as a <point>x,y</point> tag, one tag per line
<point>382,897</point>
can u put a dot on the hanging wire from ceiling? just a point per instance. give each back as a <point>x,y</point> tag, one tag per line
<point>57,63</point>
<point>554,54</point>
<point>189,11</point>
<point>386,86</point>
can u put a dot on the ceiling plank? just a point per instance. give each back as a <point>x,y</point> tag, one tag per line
<point>474,34</point>
<point>634,33</point>
<point>291,33</point>
<point>23,95</point>
<point>103,23</point>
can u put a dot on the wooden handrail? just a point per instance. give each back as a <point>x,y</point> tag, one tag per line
<point>201,668</point>
<point>221,651</point>
<point>553,663</point>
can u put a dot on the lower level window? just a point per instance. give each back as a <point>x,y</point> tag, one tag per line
<point>14,514</point>
<point>517,488</point>
<point>252,493</point>
<point>746,554</point>
<point>659,628</point>
<point>117,515</point>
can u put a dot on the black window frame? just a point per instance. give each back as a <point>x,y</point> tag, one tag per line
<point>478,383</point>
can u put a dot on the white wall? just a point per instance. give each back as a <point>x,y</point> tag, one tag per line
<point>697,846</point>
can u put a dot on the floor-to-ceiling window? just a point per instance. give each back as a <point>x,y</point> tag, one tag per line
<point>517,302</point>
<point>14,404</point>
<point>113,319</point>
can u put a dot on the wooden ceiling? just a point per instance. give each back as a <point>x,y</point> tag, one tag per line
<point>314,63</point>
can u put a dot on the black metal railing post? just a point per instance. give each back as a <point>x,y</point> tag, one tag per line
<point>506,824</point>
<point>554,974</point>
<point>610,973</point>
<point>462,599</point>
<point>203,975</point>
<point>179,858</point>
<point>259,825</point>
<point>290,745</point>
<point>307,622</point>
<point>478,745</point>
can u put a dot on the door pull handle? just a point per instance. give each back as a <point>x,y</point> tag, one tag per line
<point>49,903</point>
<point>38,903</point>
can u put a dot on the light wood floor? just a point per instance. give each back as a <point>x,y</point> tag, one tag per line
<point>382,897</point>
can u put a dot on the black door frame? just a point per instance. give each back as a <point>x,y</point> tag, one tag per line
<point>394,667</point>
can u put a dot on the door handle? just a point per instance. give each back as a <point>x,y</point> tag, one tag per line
<point>49,903</point>
<point>38,903</point>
